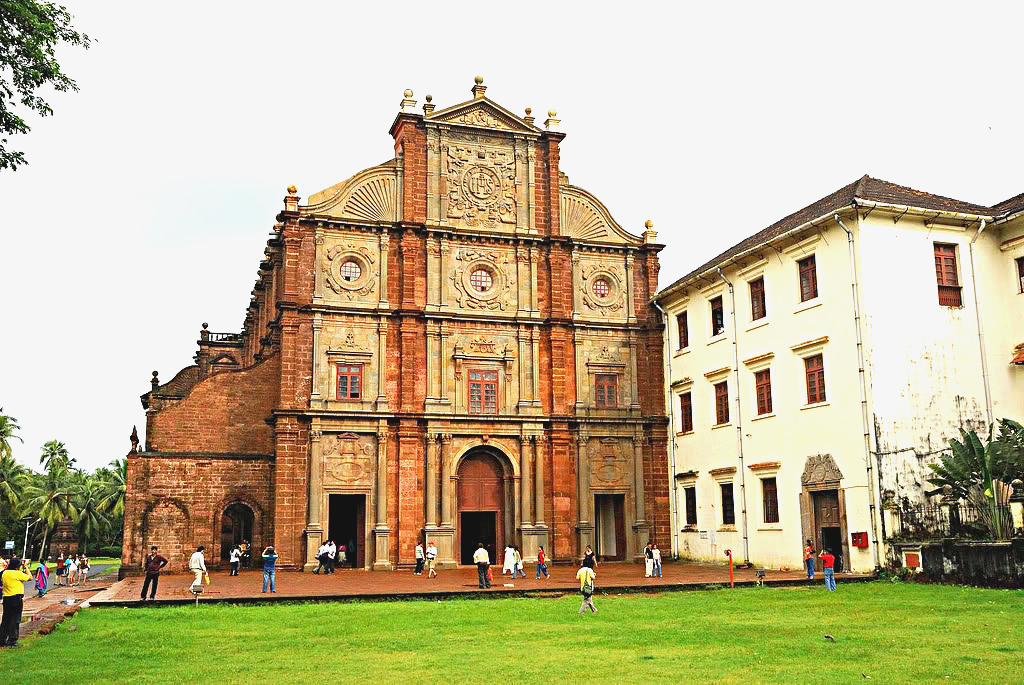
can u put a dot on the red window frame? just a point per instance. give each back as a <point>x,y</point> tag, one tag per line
<point>814,371</point>
<point>758,310</point>
<point>946,275</point>
<point>717,316</point>
<point>482,391</point>
<point>808,278</point>
<point>686,412</point>
<point>684,330</point>
<point>721,403</point>
<point>763,386</point>
<point>605,390</point>
<point>349,382</point>
<point>770,499</point>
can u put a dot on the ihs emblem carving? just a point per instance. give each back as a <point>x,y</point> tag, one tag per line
<point>481,185</point>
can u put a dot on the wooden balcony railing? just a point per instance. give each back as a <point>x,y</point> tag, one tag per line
<point>950,296</point>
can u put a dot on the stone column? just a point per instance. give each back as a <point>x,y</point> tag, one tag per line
<point>314,531</point>
<point>431,489</point>
<point>318,272</point>
<point>444,268</point>
<point>538,490</point>
<point>581,372</point>
<point>381,533</point>
<point>317,325</point>
<point>382,284</point>
<point>382,349</point>
<point>525,481</point>
<point>638,477</point>
<point>630,307</point>
<point>576,292</point>
<point>535,365</point>
<point>634,386</point>
<point>533,280</point>
<point>446,478</point>
<point>586,499</point>
<point>433,332</point>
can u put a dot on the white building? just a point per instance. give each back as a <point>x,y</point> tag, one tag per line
<point>818,366</point>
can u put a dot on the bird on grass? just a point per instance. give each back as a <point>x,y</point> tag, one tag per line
<point>830,637</point>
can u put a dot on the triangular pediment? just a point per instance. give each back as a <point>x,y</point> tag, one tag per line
<point>482,113</point>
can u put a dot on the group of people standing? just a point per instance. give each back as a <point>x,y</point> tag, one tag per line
<point>513,563</point>
<point>828,564</point>
<point>329,555</point>
<point>652,561</point>
<point>428,557</point>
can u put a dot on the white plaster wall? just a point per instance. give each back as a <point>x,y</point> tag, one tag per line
<point>1002,307</point>
<point>793,431</point>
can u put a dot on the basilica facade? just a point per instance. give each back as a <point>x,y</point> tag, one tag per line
<point>455,345</point>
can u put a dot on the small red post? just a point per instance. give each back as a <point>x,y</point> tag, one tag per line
<point>728,553</point>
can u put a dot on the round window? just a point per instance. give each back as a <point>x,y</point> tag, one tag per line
<point>350,271</point>
<point>601,288</point>
<point>481,280</point>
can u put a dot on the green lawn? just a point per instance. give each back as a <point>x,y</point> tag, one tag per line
<point>894,633</point>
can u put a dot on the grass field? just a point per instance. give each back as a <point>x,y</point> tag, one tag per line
<point>894,633</point>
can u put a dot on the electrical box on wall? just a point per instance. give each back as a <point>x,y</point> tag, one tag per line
<point>859,539</point>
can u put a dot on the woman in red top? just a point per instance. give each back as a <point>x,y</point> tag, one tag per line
<point>809,559</point>
<point>828,562</point>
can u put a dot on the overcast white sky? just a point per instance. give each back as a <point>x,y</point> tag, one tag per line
<point>149,195</point>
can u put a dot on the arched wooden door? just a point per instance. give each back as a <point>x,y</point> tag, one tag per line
<point>481,500</point>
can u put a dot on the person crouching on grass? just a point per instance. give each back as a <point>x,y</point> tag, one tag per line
<point>586,577</point>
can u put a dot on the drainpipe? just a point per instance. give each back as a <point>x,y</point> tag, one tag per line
<point>862,376</point>
<point>739,415</point>
<point>981,331</point>
<point>673,512</point>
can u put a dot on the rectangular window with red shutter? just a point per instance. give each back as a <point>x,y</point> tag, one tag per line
<point>606,386</point>
<point>763,385</point>
<point>757,300</point>
<point>814,369</point>
<point>717,316</point>
<point>946,275</point>
<point>686,412</point>
<point>684,331</point>
<point>721,403</point>
<point>350,381</point>
<point>770,500</point>
<point>808,278</point>
<point>483,392</point>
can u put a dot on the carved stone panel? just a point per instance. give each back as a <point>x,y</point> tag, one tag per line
<point>348,459</point>
<point>484,278</point>
<point>347,344</point>
<point>610,462</point>
<point>602,288</point>
<point>479,185</point>
<point>821,469</point>
<point>351,270</point>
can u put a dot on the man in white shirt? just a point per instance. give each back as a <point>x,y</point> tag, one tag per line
<point>321,557</point>
<point>197,564</point>
<point>483,565</point>
<point>419,560</point>
<point>431,556</point>
<point>332,553</point>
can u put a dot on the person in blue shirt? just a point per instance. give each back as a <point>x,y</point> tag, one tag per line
<point>269,563</point>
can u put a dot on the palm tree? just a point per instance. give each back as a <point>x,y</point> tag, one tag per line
<point>55,456</point>
<point>88,501</point>
<point>114,482</point>
<point>8,427</point>
<point>50,496</point>
<point>12,481</point>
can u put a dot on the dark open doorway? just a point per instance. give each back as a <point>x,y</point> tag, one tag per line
<point>610,535</point>
<point>347,526</point>
<point>477,527</point>
<point>832,539</point>
<point>235,528</point>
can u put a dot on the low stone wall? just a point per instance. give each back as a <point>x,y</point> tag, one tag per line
<point>993,564</point>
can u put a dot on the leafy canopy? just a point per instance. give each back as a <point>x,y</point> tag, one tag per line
<point>29,34</point>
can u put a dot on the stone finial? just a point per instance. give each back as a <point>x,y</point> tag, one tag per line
<point>155,381</point>
<point>408,104</point>
<point>947,494</point>
<point>479,89</point>
<point>528,119</point>
<point>650,235</point>
<point>551,123</point>
<point>428,107</point>
<point>205,333</point>
<point>134,438</point>
<point>1018,490</point>
<point>291,200</point>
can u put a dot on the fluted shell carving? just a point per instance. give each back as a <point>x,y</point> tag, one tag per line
<point>580,220</point>
<point>373,200</point>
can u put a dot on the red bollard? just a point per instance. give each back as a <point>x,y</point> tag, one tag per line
<point>728,553</point>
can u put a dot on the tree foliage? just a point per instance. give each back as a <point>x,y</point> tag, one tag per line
<point>8,427</point>
<point>30,32</point>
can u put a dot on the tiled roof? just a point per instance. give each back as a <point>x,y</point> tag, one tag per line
<point>1011,206</point>
<point>864,188</point>
<point>177,387</point>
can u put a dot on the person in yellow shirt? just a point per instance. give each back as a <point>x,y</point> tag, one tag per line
<point>586,577</point>
<point>13,581</point>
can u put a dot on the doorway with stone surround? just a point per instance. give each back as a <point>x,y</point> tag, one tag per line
<point>347,526</point>
<point>480,500</point>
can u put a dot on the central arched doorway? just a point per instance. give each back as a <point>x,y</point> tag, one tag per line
<point>235,528</point>
<point>481,506</point>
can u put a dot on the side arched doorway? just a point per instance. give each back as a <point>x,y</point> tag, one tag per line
<point>481,505</point>
<point>236,526</point>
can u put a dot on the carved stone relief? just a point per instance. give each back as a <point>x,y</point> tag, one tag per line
<point>495,265</point>
<point>348,458</point>
<point>480,185</point>
<point>344,280</point>
<point>609,463</point>
<point>604,300</point>
<point>820,469</point>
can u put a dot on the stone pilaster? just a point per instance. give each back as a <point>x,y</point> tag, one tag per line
<point>381,532</point>
<point>314,528</point>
